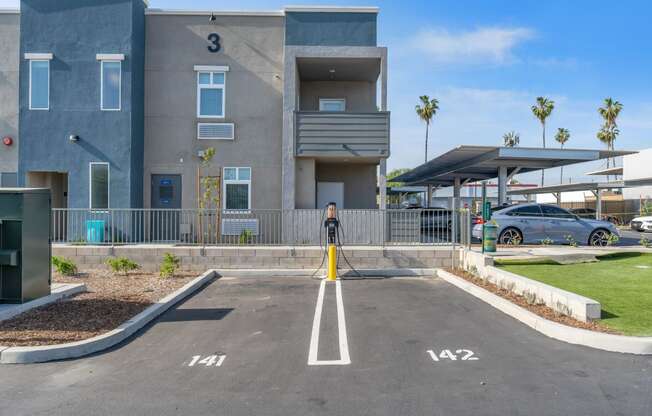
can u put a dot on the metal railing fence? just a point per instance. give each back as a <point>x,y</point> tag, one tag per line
<point>257,227</point>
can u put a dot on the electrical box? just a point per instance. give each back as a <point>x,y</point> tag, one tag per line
<point>25,249</point>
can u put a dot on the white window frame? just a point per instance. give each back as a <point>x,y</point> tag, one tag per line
<point>31,60</point>
<point>102,62</point>
<point>211,86</point>
<point>90,186</point>
<point>326,100</point>
<point>236,182</point>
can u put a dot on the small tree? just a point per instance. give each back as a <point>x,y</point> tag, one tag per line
<point>542,110</point>
<point>209,196</point>
<point>511,139</point>
<point>562,136</point>
<point>426,111</point>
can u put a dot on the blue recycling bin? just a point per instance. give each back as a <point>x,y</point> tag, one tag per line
<point>95,231</point>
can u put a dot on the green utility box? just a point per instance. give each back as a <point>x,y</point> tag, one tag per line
<point>490,236</point>
<point>25,248</point>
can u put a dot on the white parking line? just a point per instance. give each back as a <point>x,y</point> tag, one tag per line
<point>345,358</point>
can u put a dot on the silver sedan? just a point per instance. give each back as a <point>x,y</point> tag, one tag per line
<point>536,223</point>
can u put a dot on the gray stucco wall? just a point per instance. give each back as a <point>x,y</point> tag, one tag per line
<point>359,182</point>
<point>360,96</point>
<point>306,185</point>
<point>330,29</point>
<point>9,41</point>
<point>75,31</point>
<point>252,48</point>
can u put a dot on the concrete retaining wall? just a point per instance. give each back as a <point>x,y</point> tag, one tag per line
<point>567,303</point>
<point>199,259</point>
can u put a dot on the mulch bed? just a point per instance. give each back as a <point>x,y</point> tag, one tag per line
<point>110,300</point>
<point>539,309</point>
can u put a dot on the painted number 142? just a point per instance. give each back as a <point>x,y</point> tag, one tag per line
<point>462,355</point>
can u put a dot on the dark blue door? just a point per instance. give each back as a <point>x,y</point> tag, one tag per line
<point>166,206</point>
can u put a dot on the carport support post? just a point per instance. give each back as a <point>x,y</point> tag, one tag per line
<point>502,185</point>
<point>598,204</point>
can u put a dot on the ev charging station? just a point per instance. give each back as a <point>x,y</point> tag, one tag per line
<point>332,226</point>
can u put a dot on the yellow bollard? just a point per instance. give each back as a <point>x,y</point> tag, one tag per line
<point>332,262</point>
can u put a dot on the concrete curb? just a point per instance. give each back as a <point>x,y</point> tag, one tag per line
<point>62,291</point>
<point>26,355</point>
<point>346,275</point>
<point>577,336</point>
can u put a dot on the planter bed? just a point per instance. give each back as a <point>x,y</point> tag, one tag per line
<point>110,300</point>
<point>538,309</point>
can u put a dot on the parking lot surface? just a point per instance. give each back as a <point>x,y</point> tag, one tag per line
<point>416,347</point>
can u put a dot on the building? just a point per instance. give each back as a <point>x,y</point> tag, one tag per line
<point>112,104</point>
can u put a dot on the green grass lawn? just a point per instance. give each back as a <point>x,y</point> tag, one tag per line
<point>622,283</point>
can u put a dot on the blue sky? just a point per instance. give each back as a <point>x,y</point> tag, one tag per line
<point>487,61</point>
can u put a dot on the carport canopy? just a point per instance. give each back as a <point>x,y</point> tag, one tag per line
<point>595,187</point>
<point>466,164</point>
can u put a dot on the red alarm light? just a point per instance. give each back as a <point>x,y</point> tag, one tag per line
<point>8,141</point>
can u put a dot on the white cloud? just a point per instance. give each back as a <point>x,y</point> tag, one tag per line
<point>488,44</point>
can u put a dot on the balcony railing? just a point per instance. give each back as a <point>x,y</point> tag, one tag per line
<point>330,134</point>
<point>255,227</point>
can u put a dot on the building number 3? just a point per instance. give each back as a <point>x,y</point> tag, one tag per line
<point>214,38</point>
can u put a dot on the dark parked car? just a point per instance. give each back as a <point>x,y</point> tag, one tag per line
<point>589,213</point>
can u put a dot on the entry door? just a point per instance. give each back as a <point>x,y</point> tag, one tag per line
<point>330,192</point>
<point>166,197</point>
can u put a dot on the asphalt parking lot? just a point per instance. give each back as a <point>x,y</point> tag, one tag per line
<point>415,347</point>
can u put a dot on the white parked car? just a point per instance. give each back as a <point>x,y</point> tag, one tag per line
<point>642,224</point>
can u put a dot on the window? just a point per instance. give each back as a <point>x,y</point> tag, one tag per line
<point>551,211</point>
<point>99,185</point>
<point>237,188</point>
<point>332,104</point>
<point>210,94</point>
<point>111,85</point>
<point>39,84</point>
<point>526,211</point>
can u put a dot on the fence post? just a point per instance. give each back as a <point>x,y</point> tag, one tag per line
<point>454,230</point>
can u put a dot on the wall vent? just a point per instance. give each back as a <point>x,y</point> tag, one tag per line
<point>215,131</point>
<point>235,226</point>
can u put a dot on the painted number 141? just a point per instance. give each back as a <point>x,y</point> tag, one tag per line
<point>208,361</point>
<point>462,355</point>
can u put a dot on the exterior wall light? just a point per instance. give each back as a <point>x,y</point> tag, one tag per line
<point>73,138</point>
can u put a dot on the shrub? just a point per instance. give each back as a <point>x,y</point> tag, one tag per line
<point>571,241</point>
<point>547,242</point>
<point>64,266</point>
<point>246,236</point>
<point>645,242</point>
<point>122,265</point>
<point>612,239</point>
<point>169,265</point>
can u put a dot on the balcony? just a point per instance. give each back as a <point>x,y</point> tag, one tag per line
<point>342,135</point>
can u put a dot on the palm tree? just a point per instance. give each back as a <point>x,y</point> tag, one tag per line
<point>426,112</point>
<point>542,110</point>
<point>511,139</point>
<point>562,137</point>
<point>609,131</point>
